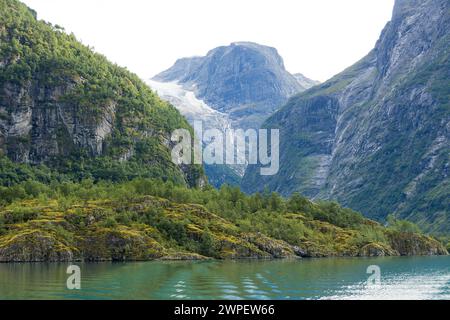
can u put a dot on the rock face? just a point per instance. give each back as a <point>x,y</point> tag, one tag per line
<point>245,80</point>
<point>415,245</point>
<point>377,136</point>
<point>37,126</point>
<point>377,250</point>
<point>60,101</point>
<point>35,246</point>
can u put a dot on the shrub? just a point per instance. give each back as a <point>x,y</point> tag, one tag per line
<point>402,225</point>
<point>109,222</point>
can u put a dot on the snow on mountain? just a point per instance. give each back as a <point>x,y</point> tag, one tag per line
<point>190,106</point>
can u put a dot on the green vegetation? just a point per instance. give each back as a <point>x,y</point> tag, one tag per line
<point>125,199</point>
<point>402,225</point>
<point>36,56</point>
<point>148,219</point>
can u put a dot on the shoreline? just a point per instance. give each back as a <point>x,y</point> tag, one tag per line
<point>206,259</point>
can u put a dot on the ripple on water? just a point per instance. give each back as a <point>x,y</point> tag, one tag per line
<point>402,278</point>
<point>399,287</point>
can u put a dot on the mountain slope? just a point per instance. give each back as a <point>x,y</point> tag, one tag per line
<point>245,80</point>
<point>78,137</point>
<point>377,136</point>
<point>68,108</point>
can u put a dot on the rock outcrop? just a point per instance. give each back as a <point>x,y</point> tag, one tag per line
<point>407,244</point>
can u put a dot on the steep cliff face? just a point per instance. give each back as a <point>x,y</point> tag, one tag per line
<point>245,80</point>
<point>38,126</point>
<point>60,103</point>
<point>377,136</point>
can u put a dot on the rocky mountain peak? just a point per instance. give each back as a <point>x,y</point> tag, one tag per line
<point>244,80</point>
<point>404,8</point>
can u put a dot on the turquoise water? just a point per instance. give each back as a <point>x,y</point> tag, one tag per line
<point>401,278</point>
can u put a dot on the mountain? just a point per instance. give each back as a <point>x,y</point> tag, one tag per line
<point>305,82</point>
<point>67,108</point>
<point>244,80</point>
<point>236,86</point>
<point>376,137</point>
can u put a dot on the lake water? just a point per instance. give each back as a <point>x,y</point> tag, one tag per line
<point>401,278</point>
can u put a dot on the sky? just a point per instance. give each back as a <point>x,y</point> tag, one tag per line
<point>318,38</point>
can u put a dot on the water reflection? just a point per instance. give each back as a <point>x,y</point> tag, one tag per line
<point>402,278</point>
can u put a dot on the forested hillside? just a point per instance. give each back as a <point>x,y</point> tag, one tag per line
<point>66,107</point>
<point>150,219</point>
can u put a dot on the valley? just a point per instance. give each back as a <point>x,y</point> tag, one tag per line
<point>87,175</point>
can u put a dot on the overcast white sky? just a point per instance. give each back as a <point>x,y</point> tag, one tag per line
<point>316,37</point>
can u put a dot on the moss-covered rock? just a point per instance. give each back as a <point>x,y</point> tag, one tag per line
<point>120,245</point>
<point>377,250</point>
<point>276,248</point>
<point>184,256</point>
<point>35,246</point>
<point>411,244</point>
<point>141,228</point>
<point>231,247</point>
